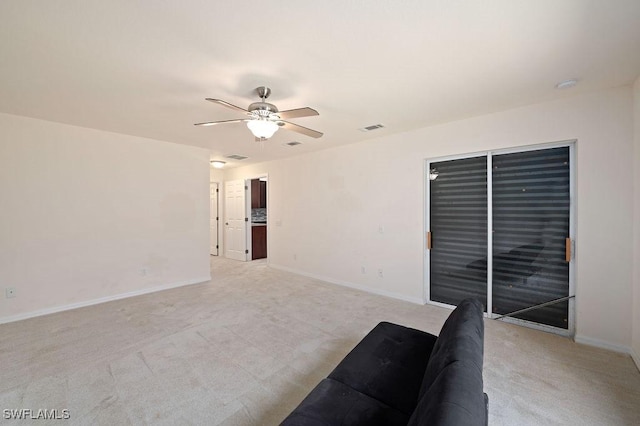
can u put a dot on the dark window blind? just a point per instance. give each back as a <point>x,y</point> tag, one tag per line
<point>530,223</point>
<point>458,221</point>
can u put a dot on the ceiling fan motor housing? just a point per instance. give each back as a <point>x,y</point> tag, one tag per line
<point>263,109</point>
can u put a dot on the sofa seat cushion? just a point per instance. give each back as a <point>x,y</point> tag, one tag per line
<point>454,398</point>
<point>388,365</point>
<point>333,403</point>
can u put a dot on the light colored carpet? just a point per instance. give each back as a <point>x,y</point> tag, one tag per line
<point>246,347</point>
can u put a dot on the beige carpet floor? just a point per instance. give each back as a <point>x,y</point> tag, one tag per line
<point>246,347</point>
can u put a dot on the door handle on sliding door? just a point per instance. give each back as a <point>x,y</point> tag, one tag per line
<point>567,249</point>
<point>428,240</point>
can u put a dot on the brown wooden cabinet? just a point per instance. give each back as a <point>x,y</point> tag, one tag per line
<point>258,194</point>
<point>258,242</point>
<point>263,194</point>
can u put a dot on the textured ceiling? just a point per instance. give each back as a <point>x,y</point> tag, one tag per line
<point>144,67</point>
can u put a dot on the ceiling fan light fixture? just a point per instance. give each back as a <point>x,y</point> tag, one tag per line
<point>263,129</point>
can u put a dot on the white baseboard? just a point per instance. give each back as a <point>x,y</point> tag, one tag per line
<point>635,358</point>
<point>609,346</point>
<point>351,285</point>
<point>47,311</point>
<point>602,344</point>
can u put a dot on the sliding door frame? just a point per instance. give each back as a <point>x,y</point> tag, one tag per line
<point>571,144</point>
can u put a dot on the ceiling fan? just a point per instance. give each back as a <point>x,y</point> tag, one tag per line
<point>264,119</point>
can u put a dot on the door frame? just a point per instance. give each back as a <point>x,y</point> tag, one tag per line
<point>571,144</point>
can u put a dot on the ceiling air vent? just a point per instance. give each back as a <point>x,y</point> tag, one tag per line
<point>237,157</point>
<point>293,143</point>
<point>372,127</point>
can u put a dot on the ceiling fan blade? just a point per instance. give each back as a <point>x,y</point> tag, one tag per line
<point>300,129</point>
<point>299,112</point>
<point>227,104</point>
<point>213,123</point>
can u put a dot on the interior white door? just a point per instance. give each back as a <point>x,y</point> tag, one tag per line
<point>235,224</point>
<point>214,219</point>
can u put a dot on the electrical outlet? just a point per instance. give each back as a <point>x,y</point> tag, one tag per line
<point>10,292</point>
<point>144,272</point>
<point>380,273</point>
<point>363,270</point>
<point>295,256</point>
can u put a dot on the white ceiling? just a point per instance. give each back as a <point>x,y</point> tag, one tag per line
<point>144,67</point>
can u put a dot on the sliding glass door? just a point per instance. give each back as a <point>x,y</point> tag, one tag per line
<point>458,217</point>
<point>498,229</point>
<point>530,197</point>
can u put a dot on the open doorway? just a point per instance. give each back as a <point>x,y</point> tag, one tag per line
<point>258,232</point>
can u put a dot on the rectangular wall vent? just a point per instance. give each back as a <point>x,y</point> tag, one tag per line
<point>372,127</point>
<point>293,143</point>
<point>237,157</point>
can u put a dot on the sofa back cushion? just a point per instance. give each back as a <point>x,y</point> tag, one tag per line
<point>451,392</point>
<point>454,398</point>
<point>461,339</point>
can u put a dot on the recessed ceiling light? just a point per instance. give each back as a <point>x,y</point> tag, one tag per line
<point>566,84</point>
<point>218,164</point>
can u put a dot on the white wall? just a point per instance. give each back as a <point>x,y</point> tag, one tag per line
<point>636,221</point>
<point>84,211</point>
<point>216,175</point>
<point>325,208</point>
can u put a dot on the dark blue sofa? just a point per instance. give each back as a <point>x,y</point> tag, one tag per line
<point>402,376</point>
